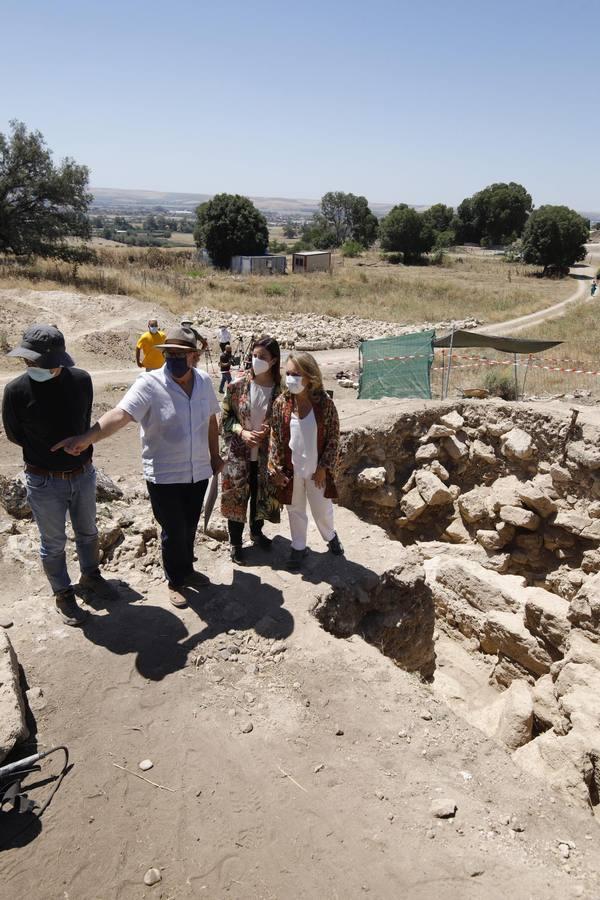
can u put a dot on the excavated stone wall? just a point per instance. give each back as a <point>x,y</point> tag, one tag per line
<point>500,502</point>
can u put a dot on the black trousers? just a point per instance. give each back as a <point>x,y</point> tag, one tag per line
<point>236,529</point>
<point>177,509</point>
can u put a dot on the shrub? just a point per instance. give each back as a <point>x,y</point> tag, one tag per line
<point>274,290</point>
<point>352,248</point>
<point>500,384</point>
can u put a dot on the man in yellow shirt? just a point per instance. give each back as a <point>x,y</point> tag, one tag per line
<point>146,355</point>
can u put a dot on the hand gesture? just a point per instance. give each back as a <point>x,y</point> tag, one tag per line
<point>72,445</point>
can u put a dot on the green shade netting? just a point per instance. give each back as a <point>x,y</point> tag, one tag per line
<point>396,366</point>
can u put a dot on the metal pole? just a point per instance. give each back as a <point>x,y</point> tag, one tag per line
<point>516,377</point>
<point>449,363</point>
<point>525,375</point>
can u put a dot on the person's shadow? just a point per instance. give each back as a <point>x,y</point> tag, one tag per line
<point>160,639</point>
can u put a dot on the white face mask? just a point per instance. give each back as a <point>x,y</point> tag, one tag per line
<point>153,329</point>
<point>260,366</point>
<point>294,384</point>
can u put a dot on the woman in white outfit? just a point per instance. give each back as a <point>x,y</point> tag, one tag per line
<point>303,453</point>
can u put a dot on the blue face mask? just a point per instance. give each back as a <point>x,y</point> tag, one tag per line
<point>177,366</point>
<point>37,374</point>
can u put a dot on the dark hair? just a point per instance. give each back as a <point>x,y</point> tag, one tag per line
<point>269,344</point>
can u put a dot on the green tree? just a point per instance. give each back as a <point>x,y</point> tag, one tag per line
<point>405,231</point>
<point>289,229</point>
<point>495,215</point>
<point>150,224</point>
<point>230,225</point>
<point>439,216</point>
<point>347,217</point>
<point>554,238</point>
<point>42,205</point>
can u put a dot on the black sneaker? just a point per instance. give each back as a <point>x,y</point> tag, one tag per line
<point>335,546</point>
<point>236,553</point>
<point>261,540</point>
<point>68,610</point>
<point>295,560</point>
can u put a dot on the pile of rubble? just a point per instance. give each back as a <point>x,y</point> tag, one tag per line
<point>311,331</point>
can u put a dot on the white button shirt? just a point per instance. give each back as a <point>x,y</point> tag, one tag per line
<point>173,426</point>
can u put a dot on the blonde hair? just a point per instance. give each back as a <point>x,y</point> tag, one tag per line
<point>309,367</point>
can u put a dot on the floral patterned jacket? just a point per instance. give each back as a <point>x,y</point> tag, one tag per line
<point>235,483</point>
<point>328,438</point>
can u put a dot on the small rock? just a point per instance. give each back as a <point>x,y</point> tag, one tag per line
<point>145,765</point>
<point>443,809</point>
<point>381,796</point>
<point>339,731</point>
<point>473,868</point>
<point>247,728</point>
<point>6,623</point>
<point>564,850</point>
<point>319,768</point>
<point>152,876</point>
<point>425,714</point>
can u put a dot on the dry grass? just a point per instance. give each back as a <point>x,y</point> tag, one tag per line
<point>465,285</point>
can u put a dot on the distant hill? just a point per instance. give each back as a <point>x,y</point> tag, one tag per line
<point>126,200</point>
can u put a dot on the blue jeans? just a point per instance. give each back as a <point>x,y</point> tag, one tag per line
<point>225,379</point>
<point>51,500</point>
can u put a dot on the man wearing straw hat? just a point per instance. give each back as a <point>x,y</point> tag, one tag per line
<point>176,408</point>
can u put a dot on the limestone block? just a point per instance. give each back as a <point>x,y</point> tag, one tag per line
<point>433,491</point>
<point>546,617</point>
<point>530,542</point>
<point>490,539</point>
<point>506,671</point>
<point>578,523</point>
<point>371,478</point>
<point>456,533</point>
<point>517,444</point>
<point>505,632</point>
<point>584,612</point>
<point>520,518</point>
<point>506,532</point>
<point>13,728</point>
<point>497,429</point>
<point>590,562</point>
<point>412,505</point>
<point>438,431</point>
<point>438,469</point>
<point>473,505</point>
<point>408,484</point>
<point>455,448</point>
<point>508,720</point>
<point>471,585</point>
<point>505,492</point>
<point>534,498</point>
<point>13,496</point>
<point>584,455</point>
<point>559,474</point>
<point>453,420</point>
<point>426,453</point>
<point>106,489</point>
<point>562,762</point>
<point>483,452</point>
<point>109,535</point>
<point>545,705</point>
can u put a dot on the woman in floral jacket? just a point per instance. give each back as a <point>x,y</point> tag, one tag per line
<point>246,414</point>
<point>303,453</point>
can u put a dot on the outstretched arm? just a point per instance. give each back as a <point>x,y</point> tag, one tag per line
<point>107,425</point>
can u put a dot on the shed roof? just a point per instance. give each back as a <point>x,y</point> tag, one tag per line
<point>312,252</point>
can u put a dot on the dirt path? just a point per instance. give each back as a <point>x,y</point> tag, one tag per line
<point>583,273</point>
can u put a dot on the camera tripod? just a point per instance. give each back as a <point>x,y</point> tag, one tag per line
<point>209,360</point>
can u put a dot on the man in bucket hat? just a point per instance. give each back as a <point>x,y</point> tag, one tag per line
<point>53,397</point>
<point>176,408</point>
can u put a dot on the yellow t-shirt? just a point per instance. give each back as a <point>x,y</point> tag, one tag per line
<point>151,357</point>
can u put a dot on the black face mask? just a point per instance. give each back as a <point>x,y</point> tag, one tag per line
<point>177,366</point>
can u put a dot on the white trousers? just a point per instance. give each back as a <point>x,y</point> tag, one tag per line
<point>321,508</point>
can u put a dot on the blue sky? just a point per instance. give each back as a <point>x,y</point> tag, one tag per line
<point>403,102</point>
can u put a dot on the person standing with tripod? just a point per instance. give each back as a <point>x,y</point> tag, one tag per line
<point>225,367</point>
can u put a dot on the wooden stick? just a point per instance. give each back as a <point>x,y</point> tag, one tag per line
<point>287,775</point>
<point>153,783</point>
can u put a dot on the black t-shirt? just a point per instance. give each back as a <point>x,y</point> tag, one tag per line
<point>225,362</point>
<point>36,415</point>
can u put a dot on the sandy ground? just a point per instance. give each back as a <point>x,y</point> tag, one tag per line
<point>291,808</point>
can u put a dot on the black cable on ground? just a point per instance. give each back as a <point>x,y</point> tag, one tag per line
<point>40,812</point>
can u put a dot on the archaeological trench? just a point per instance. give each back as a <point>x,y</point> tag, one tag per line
<point>485,517</point>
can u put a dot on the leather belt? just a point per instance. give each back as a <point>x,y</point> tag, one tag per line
<point>48,473</point>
